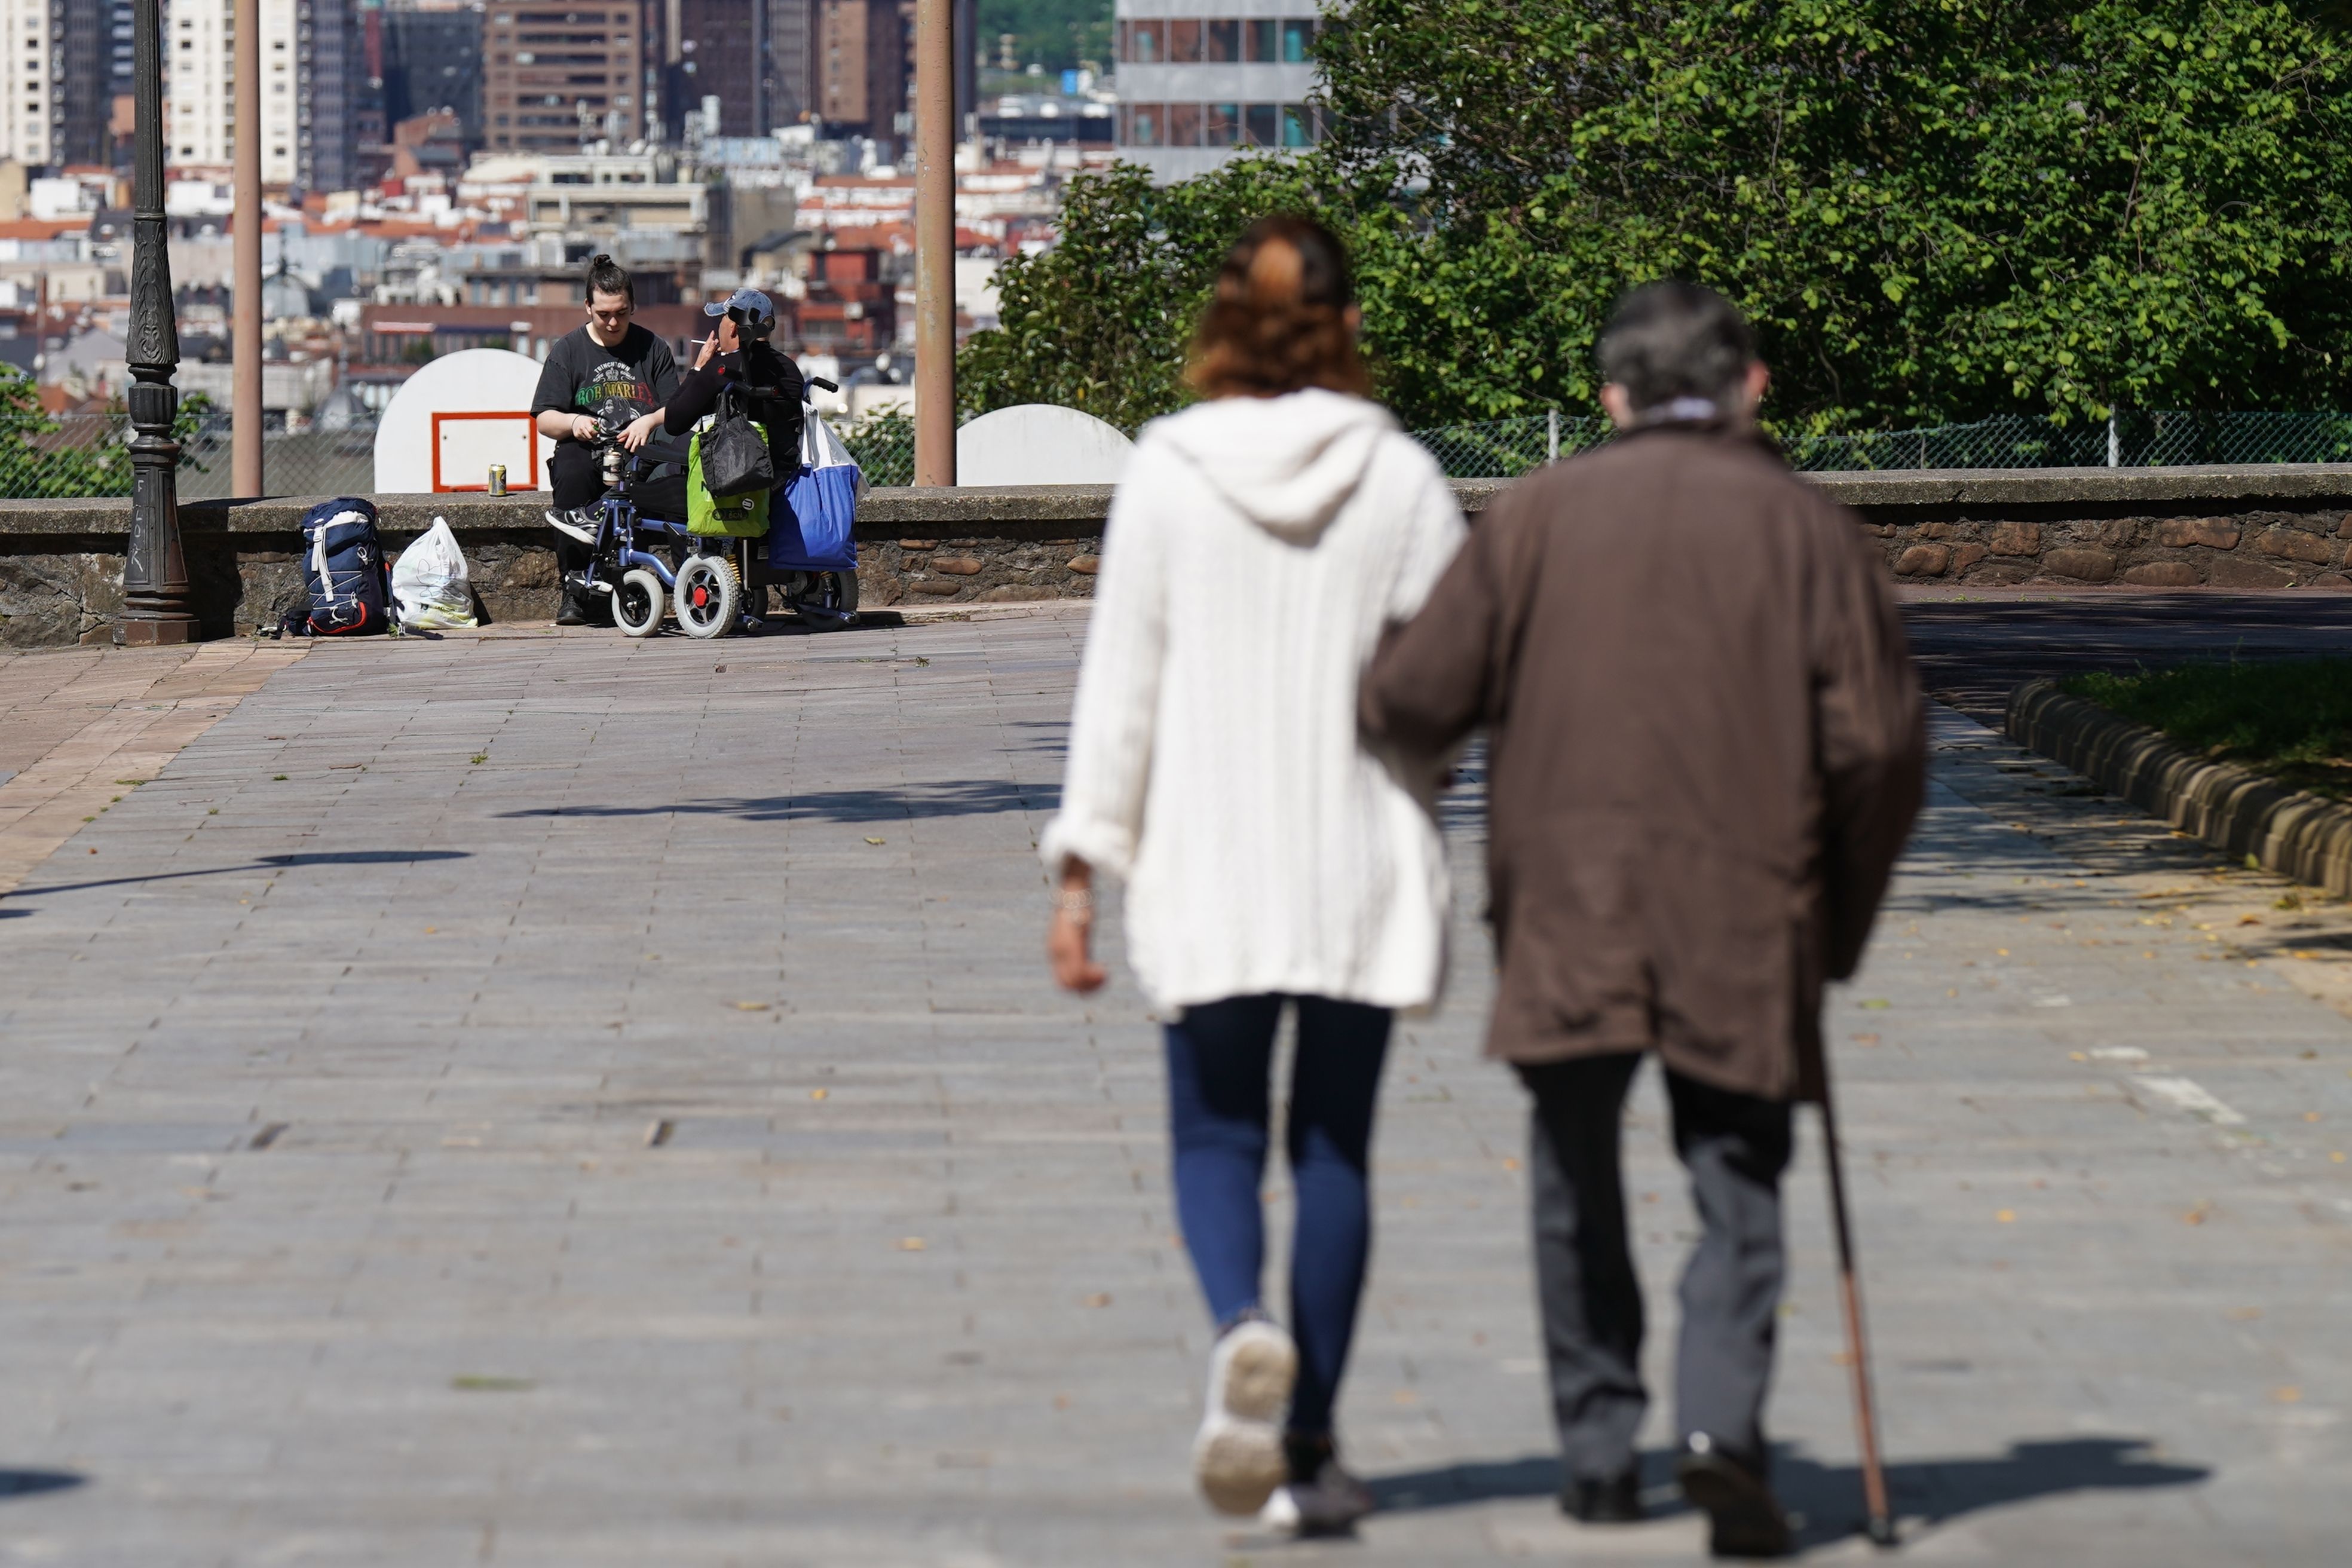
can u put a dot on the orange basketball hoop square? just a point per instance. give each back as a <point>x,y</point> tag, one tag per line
<point>466,442</point>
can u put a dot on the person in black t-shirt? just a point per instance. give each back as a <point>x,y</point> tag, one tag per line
<point>609,357</point>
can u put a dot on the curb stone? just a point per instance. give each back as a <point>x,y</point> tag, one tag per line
<point>2232,808</point>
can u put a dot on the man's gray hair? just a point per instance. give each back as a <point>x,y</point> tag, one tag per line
<point>1673,346</point>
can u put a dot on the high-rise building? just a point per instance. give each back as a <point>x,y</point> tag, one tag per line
<point>311,82</point>
<point>28,82</point>
<point>557,75</point>
<point>331,78</point>
<point>433,59</point>
<point>723,54</point>
<point>861,66</point>
<point>1194,88</point>
<point>81,102</point>
<point>790,95</point>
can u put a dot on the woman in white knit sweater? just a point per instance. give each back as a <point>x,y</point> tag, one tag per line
<point>1257,546</point>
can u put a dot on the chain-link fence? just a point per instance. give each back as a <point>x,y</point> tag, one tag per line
<point>87,453</point>
<point>1504,449</point>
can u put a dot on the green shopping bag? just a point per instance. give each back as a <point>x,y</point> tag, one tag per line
<point>732,517</point>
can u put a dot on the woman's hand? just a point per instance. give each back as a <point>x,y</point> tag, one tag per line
<point>641,430</point>
<point>584,428</point>
<point>1069,939</point>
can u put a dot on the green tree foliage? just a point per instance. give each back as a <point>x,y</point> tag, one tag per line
<point>1933,209</point>
<point>1100,321</point>
<point>43,456</point>
<point>1055,34</point>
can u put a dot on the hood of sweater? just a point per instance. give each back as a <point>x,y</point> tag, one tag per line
<point>1289,463</point>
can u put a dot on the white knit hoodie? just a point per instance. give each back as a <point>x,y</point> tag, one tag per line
<point>1256,549</point>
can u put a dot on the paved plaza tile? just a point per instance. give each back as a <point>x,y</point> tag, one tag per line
<point>554,1100</point>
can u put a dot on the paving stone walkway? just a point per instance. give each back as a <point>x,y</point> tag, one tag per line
<point>557,1101</point>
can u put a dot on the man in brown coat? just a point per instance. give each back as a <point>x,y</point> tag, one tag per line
<point>1704,748</point>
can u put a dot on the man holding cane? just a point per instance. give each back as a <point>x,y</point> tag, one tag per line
<point>1705,749</point>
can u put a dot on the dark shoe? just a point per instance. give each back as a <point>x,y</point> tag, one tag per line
<point>1744,1518</point>
<point>1321,1498</point>
<point>574,610</point>
<point>1617,1501</point>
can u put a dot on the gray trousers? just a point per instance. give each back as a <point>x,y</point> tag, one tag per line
<point>1735,1147</point>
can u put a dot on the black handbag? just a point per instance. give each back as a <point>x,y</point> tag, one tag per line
<point>735,456</point>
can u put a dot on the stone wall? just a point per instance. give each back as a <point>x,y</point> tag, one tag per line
<point>2256,526</point>
<point>2249,528</point>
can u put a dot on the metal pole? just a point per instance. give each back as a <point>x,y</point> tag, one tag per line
<point>156,605</point>
<point>935,455</point>
<point>244,288</point>
<point>1857,1341</point>
<point>1551,436</point>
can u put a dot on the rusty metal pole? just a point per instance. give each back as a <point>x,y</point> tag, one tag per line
<point>935,138</point>
<point>157,607</point>
<point>244,337</point>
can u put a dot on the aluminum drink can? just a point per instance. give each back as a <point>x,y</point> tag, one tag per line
<point>497,479</point>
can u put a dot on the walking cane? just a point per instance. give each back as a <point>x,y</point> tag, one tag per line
<point>1857,1344</point>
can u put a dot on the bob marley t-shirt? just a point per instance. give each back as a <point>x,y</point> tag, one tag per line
<point>582,373</point>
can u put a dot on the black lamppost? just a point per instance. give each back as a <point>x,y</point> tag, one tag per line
<point>156,603</point>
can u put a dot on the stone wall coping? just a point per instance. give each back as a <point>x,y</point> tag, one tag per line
<point>2233,808</point>
<point>978,509</point>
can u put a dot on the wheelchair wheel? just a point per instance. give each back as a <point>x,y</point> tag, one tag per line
<point>637,604</point>
<point>825,600</point>
<point>709,594</point>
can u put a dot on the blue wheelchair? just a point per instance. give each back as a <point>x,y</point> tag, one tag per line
<point>711,585</point>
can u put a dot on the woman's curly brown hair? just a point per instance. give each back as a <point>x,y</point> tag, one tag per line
<point>1280,320</point>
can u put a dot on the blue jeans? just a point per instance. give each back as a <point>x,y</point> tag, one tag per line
<point>1220,1055</point>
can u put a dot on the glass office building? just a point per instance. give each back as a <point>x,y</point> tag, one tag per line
<point>1199,79</point>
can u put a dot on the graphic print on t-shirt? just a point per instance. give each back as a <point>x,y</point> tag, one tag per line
<point>613,379</point>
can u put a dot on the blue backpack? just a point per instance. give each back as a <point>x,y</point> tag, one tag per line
<point>344,568</point>
<point>817,528</point>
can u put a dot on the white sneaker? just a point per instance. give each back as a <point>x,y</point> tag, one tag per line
<point>1237,1457</point>
<point>1329,1504</point>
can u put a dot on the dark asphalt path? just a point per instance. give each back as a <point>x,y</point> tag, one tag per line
<point>1975,649</point>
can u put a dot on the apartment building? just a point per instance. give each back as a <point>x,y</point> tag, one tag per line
<point>29,83</point>
<point>433,59</point>
<point>556,76</point>
<point>200,86</point>
<point>311,69</point>
<point>861,66</point>
<point>723,53</point>
<point>1199,79</point>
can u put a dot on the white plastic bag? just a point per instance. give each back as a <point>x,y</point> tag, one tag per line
<point>430,584</point>
<point>821,446</point>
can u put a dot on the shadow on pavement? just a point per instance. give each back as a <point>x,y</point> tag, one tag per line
<point>1972,650</point>
<point>1829,1497</point>
<point>971,797</point>
<point>30,1483</point>
<point>259,863</point>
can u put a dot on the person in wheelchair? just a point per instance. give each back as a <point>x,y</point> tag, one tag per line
<point>737,356</point>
